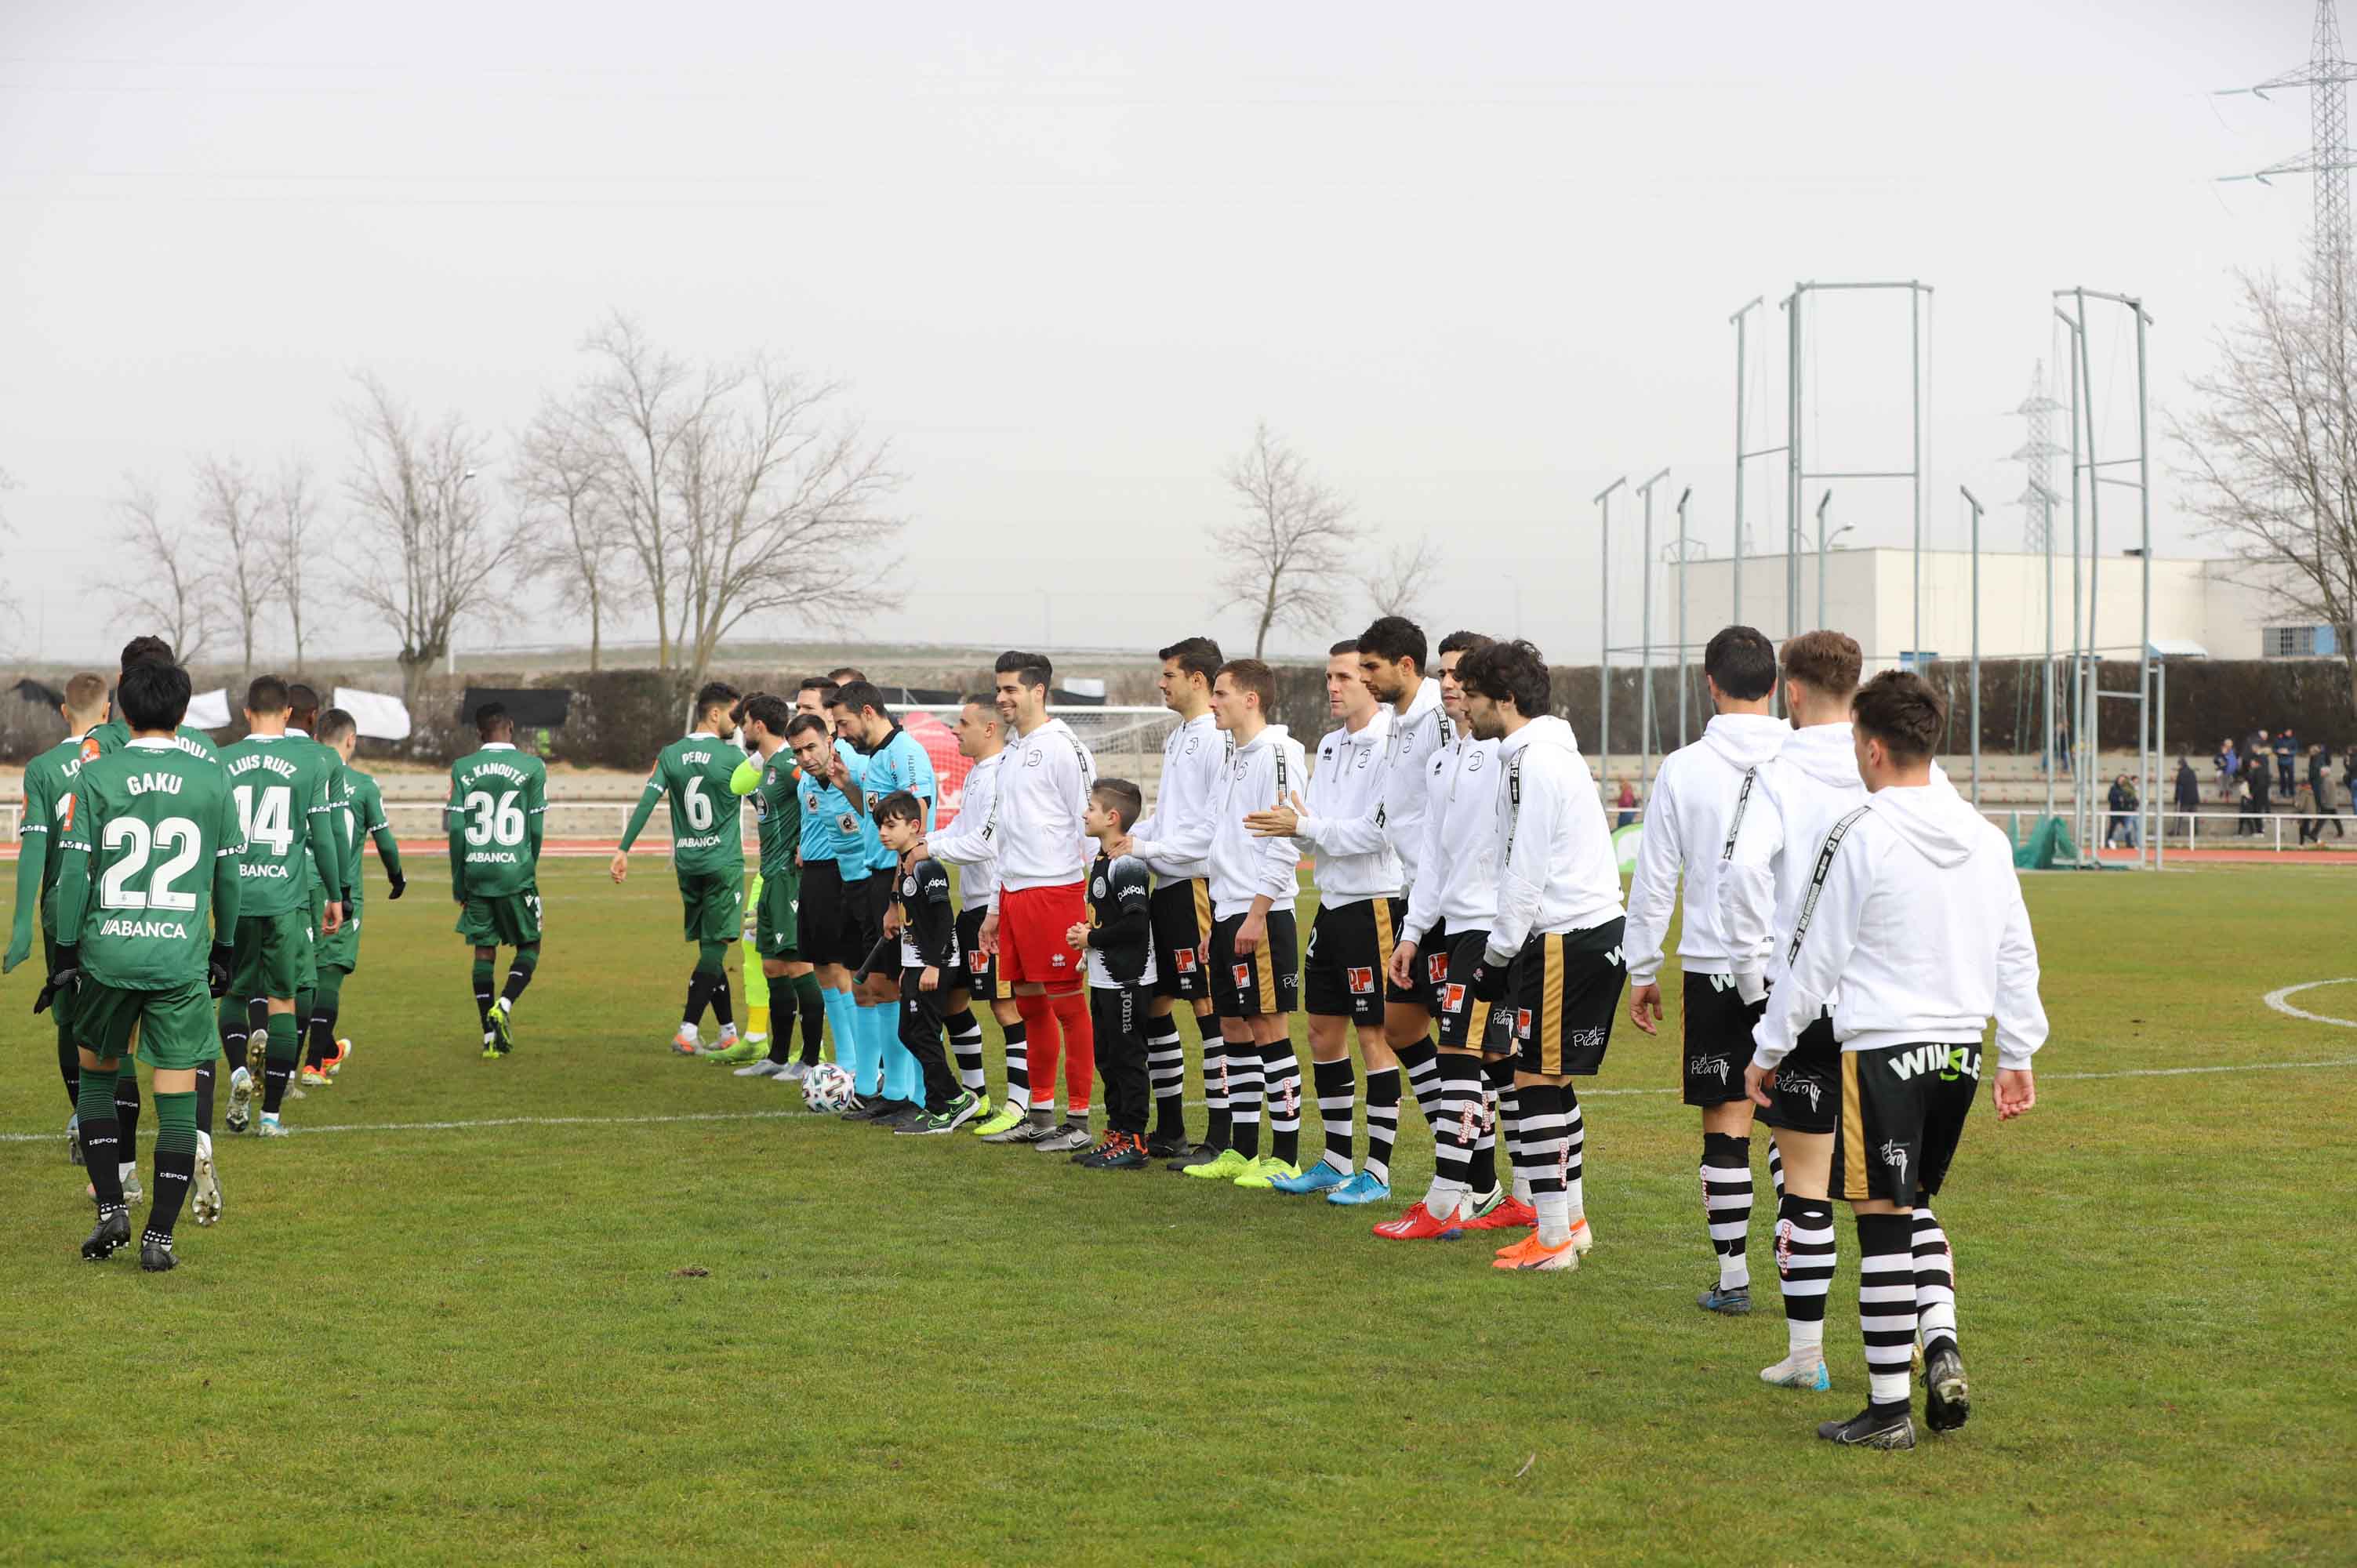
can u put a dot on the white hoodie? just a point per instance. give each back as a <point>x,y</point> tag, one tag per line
<point>1800,793</point>
<point>1916,911</point>
<point>1417,736</point>
<point>1343,815</point>
<point>1688,816</point>
<point>1175,838</point>
<point>1557,871</point>
<point>1043,788</point>
<point>1459,887</point>
<point>1260,773</point>
<point>972,838</point>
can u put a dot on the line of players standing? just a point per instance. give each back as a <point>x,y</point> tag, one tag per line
<point>1470,932</point>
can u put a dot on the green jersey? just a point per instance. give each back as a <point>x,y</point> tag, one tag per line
<point>115,734</point>
<point>49,793</point>
<point>362,809</point>
<point>150,842</point>
<point>334,762</point>
<point>776,806</point>
<point>499,801</point>
<point>281,784</point>
<point>706,831</point>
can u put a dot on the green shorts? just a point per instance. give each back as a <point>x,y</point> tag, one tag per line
<point>776,926</point>
<point>307,967</point>
<point>343,950</point>
<point>274,954</point>
<point>62,1005</point>
<point>174,1024</point>
<point>712,905</point>
<point>501,919</point>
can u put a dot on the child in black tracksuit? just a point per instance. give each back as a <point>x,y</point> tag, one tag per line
<point>1119,942</point>
<point>929,951</point>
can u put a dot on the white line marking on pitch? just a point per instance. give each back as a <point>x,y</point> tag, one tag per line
<point>2280,1000</point>
<point>780,1115</point>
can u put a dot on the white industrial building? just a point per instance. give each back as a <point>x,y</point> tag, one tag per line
<point>2199,607</point>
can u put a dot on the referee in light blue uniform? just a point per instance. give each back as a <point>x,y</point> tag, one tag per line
<point>895,761</point>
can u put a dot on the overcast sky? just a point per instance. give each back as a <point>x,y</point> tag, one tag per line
<point>1474,262</point>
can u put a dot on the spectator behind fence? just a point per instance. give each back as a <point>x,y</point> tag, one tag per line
<point>2286,765</point>
<point>2124,807</point>
<point>2246,797</point>
<point>2188,794</point>
<point>2320,789</point>
<point>2229,763</point>
<point>2261,775</point>
<point>1626,802</point>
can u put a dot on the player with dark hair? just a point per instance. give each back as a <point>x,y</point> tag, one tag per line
<point>1255,951</point>
<point>147,899</point>
<point>707,856</point>
<point>1175,841</point>
<point>283,787</point>
<point>1117,944</point>
<point>302,725</point>
<point>1691,817</point>
<point>971,844</point>
<point>774,785</point>
<point>1553,953</point>
<point>1797,797</point>
<point>498,812</point>
<point>360,817</point>
<point>926,927</point>
<point>1914,912</point>
<point>1043,862</point>
<point>111,733</point>
<point>897,762</point>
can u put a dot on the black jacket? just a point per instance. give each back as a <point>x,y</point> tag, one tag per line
<point>2188,789</point>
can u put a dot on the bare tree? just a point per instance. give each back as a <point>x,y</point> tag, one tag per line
<point>742,492</point>
<point>291,531</point>
<point>1286,557</point>
<point>2272,456</point>
<point>573,527</point>
<point>234,513</point>
<point>1403,577</point>
<point>426,550</point>
<point>169,589</point>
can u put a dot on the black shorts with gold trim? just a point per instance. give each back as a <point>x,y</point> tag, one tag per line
<point>1565,989</point>
<point>1181,912</point>
<point>1264,983</point>
<point>1431,972</point>
<point>1468,1023</point>
<point>1715,1029</point>
<point>1349,947</point>
<point>1902,1111</point>
<point>980,975</point>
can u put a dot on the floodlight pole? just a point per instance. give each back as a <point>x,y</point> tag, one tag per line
<point>1645,638</point>
<point>1604,682</point>
<point>1742,456</point>
<point>1974,502</point>
<point>1822,501</point>
<point>1684,695</point>
<point>2046,746</point>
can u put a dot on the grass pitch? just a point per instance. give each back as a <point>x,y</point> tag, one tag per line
<point>597,1303</point>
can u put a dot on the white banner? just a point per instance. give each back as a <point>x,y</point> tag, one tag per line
<point>378,717</point>
<point>209,710</point>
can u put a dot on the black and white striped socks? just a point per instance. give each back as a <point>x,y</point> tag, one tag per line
<point>1935,1281</point>
<point>1282,1071</point>
<point>1018,1065</point>
<point>1462,1122</point>
<point>1422,1060</point>
<point>1727,1206</point>
<point>1337,1083</point>
<point>1240,1072</point>
<point>1382,1122</point>
<point>1886,1304</point>
<point>1804,1266</point>
<point>1545,1149</point>
<point>965,1045</point>
<point>1165,1074</point>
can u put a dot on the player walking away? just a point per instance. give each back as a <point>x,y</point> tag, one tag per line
<point>284,787</point>
<point>1449,913</point>
<point>153,830</point>
<point>1559,929</point>
<point>302,730</point>
<point>497,809</point>
<point>1256,979</point>
<point>1175,841</point>
<point>1358,910</point>
<point>1043,861</point>
<point>1915,913</point>
<point>768,778</point>
<point>707,853</point>
<point>47,809</point>
<point>897,762</point>
<point>1796,797</point>
<point>971,844</point>
<point>360,816</point>
<point>835,935</point>
<point>1117,948</point>
<point>1690,820</point>
<point>114,734</point>
<point>927,929</point>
